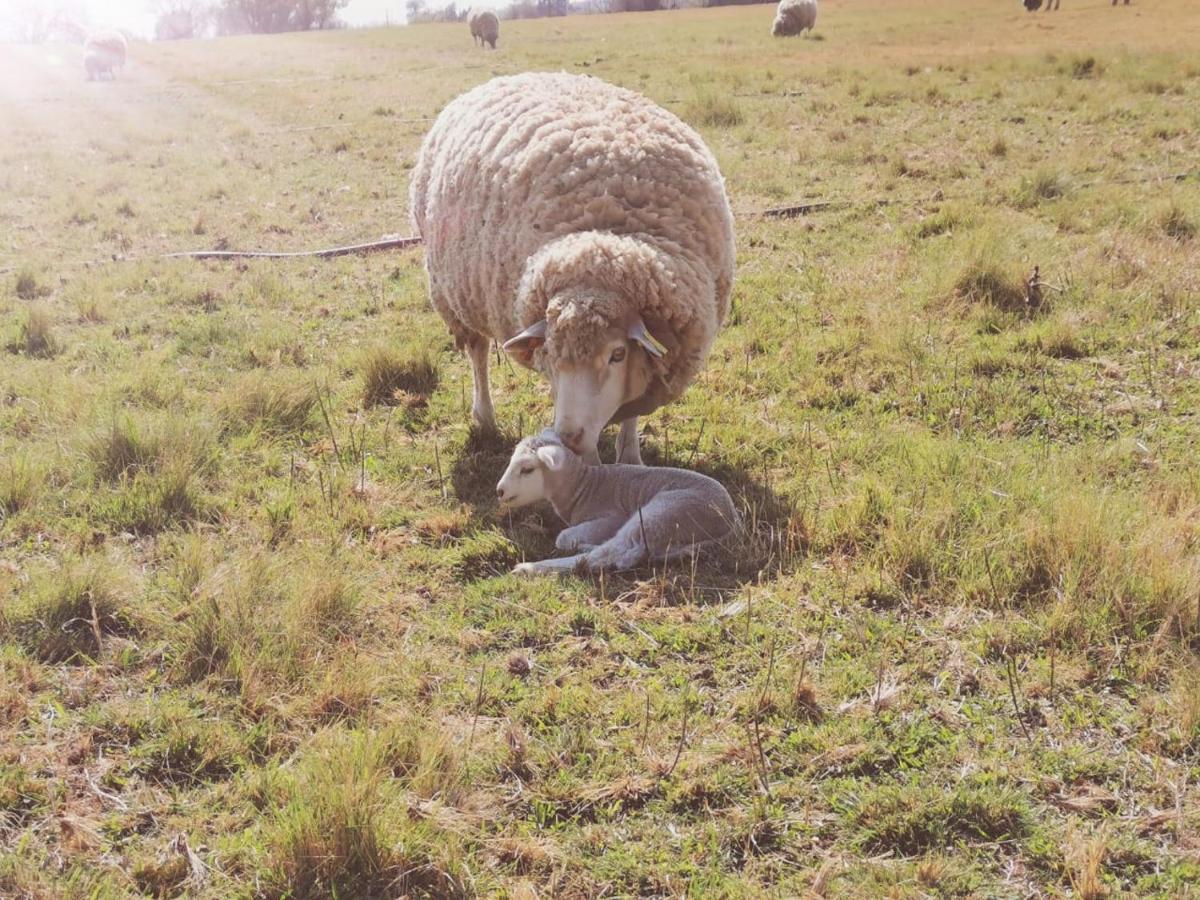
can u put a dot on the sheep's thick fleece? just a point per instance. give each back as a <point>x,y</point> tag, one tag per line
<point>794,16</point>
<point>535,189</point>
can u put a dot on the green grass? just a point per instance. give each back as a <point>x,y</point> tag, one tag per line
<point>253,582</point>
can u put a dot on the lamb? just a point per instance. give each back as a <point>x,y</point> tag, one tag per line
<point>618,516</point>
<point>103,51</point>
<point>794,16</point>
<point>485,27</point>
<point>589,230</point>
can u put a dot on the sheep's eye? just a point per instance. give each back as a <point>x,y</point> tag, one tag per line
<point>526,470</point>
<point>617,355</point>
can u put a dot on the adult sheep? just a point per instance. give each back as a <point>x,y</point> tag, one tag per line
<point>485,27</point>
<point>103,51</point>
<point>794,16</point>
<point>588,229</point>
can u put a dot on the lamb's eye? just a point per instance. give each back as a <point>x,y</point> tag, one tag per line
<point>526,470</point>
<point>617,355</point>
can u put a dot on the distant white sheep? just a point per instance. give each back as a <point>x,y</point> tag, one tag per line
<point>794,16</point>
<point>103,51</point>
<point>485,27</point>
<point>586,227</point>
<point>618,516</point>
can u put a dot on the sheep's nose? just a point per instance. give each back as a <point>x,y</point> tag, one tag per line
<point>573,439</point>
<point>499,493</point>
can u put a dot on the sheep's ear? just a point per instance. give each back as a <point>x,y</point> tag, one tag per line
<point>521,346</point>
<point>638,332</point>
<point>553,455</point>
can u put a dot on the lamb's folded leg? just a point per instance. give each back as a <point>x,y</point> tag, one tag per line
<point>672,524</point>
<point>481,405</point>
<point>589,534</point>
<point>629,450</point>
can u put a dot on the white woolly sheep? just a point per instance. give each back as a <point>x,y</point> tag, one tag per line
<point>794,16</point>
<point>619,516</point>
<point>103,51</point>
<point>485,27</point>
<point>588,229</point>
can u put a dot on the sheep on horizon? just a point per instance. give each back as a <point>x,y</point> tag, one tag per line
<point>103,51</point>
<point>485,27</point>
<point>793,17</point>
<point>588,229</point>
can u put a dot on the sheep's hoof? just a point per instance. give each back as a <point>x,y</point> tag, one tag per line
<point>525,568</point>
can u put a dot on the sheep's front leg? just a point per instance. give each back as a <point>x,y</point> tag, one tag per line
<point>481,404</point>
<point>588,534</point>
<point>562,565</point>
<point>629,451</point>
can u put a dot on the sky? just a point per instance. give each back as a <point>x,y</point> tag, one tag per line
<point>136,15</point>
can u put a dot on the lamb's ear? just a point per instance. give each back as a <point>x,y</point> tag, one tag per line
<point>521,346</point>
<point>638,332</point>
<point>553,455</point>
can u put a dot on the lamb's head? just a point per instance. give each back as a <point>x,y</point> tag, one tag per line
<point>525,480</point>
<point>598,355</point>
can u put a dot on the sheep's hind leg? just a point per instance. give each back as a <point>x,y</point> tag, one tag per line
<point>629,450</point>
<point>481,404</point>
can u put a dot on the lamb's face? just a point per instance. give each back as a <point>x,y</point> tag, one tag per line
<point>589,392</point>
<point>524,481</point>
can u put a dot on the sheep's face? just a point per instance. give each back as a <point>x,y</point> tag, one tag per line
<point>588,392</point>
<point>524,481</point>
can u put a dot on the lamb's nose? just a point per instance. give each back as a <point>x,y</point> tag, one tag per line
<point>499,493</point>
<point>573,439</point>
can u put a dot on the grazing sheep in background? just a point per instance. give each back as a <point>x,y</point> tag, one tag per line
<point>103,52</point>
<point>485,27</point>
<point>1032,5</point>
<point>586,227</point>
<point>794,16</point>
<point>619,516</point>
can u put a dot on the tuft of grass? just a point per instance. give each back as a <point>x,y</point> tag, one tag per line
<point>66,614</point>
<point>124,448</point>
<point>715,109</point>
<point>149,503</point>
<point>21,796</point>
<point>909,820</point>
<point>27,286</point>
<point>1175,222</point>
<point>987,278</point>
<point>20,482</point>
<point>340,829</point>
<point>1038,187</point>
<point>36,336</point>
<point>388,375</point>
<point>276,403</point>
<point>1085,67</point>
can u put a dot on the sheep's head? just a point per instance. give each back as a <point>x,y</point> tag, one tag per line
<point>524,481</point>
<point>598,357</point>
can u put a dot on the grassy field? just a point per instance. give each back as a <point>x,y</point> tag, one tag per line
<point>256,635</point>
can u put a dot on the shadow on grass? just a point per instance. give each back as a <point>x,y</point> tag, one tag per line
<point>774,534</point>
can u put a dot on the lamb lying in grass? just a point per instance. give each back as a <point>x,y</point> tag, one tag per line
<point>619,516</point>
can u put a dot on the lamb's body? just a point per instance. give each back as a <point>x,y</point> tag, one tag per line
<point>794,16</point>
<point>565,200</point>
<point>103,52</point>
<point>620,516</point>
<point>485,27</point>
